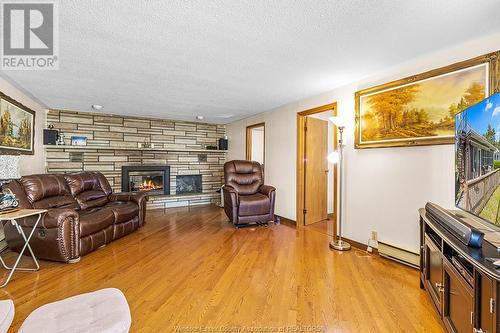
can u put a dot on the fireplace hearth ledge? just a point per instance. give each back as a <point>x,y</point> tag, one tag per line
<point>185,195</point>
<point>186,200</point>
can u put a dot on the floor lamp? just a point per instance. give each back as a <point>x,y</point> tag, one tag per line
<point>338,158</point>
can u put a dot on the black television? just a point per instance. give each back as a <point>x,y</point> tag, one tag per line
<point>477,159</point>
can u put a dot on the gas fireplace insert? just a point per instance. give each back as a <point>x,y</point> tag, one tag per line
<point>154,179</point>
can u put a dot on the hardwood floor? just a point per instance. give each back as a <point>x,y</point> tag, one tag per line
<point>190,268</point>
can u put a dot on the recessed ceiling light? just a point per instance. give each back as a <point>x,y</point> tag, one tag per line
<point>97,107</point>
<point>200,117</point>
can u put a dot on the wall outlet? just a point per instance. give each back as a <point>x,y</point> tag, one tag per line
<point>375,235</point>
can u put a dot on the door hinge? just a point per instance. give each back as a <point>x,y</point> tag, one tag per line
<point>304,211</point>
<point>305,128</point>
<point>472,318</point>
<point>492,305</point>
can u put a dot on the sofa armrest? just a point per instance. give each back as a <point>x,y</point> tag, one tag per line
<point>230,195</point>
<point>231,203</point>
<point>267,189</point>
<point>270,192</point>
<point>57,236</point>
<point>137,197</point>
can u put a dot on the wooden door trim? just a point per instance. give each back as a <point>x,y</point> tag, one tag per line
<point>301,155</point>
<point>248,153</point>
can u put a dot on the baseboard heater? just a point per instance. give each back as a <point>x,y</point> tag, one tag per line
<point>398,254</point>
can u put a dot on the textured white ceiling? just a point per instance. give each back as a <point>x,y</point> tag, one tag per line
<point>229,59</point>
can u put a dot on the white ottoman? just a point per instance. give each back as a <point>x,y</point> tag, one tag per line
<point>105,310</point>
<point>6,315</point>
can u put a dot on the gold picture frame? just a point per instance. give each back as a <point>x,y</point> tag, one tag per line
<point>491,62</point>
<point>17,127</point>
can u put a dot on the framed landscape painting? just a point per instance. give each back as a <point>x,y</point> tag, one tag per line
<point>17,124</point>
<point>420,110</point>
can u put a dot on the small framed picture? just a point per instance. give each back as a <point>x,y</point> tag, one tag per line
<point>78,140</point>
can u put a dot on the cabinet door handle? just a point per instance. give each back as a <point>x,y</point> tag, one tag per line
<point>479,331</point>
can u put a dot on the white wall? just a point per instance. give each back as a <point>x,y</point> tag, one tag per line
<point>384,187</point>
<point>29,163</point>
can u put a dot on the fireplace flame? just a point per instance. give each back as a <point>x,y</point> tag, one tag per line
<point>149,184</point>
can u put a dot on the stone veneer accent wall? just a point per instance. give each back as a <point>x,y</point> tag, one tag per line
<point>108,140</point>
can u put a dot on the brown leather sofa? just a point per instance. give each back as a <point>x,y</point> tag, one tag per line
<point>83,214</point>
<point>246,199</point>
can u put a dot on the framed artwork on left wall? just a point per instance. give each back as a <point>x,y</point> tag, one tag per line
<point>17,127</point>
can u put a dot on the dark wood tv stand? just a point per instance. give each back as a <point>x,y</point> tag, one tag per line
<point>462,283</point>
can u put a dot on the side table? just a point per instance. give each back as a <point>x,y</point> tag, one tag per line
<point>12,218</point>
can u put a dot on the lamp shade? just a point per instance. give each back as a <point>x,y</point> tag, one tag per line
<point>333,157</point>
<point>9,167</point>
<point>337,121</point>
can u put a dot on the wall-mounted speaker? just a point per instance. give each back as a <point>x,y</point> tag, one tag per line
<point>50,136</point>
<point>223,144</point>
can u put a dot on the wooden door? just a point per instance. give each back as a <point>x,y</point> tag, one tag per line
<point>316,171</point>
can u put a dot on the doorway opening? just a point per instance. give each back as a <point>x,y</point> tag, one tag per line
<point>256,143</point>
<point>316,177</point>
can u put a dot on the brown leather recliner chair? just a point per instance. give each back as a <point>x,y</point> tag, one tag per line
<point>82,214</point>
<point>246,199</point>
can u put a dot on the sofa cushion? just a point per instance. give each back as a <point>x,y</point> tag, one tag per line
<point>95,219</point>
<point>103,183</point>
<point>62,201</point>
<point>81,181</point>
<point>86,188</point>
<point>92,199</point>
<point>38,187</point>
<point>254,204</point>
<point>17,189</point>
<point>244,176</point>
<point>124,211</point>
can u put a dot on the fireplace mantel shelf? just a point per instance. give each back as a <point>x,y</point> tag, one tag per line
<point>129,148</point>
